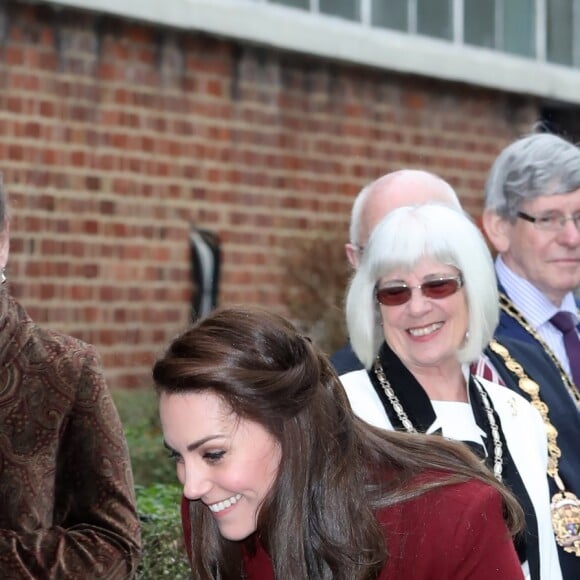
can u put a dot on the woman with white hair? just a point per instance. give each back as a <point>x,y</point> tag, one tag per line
<point>422,305</point>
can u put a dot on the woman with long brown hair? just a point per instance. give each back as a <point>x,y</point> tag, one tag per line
<point>281,479</point>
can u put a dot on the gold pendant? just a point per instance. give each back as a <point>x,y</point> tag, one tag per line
<point>565,509</point>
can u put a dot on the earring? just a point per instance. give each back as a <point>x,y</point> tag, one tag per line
<point>3,276</point>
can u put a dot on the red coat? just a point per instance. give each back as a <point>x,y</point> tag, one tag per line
<point>454,532</point>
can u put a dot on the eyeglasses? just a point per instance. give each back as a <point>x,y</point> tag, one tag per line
<point>439,288</point>
<point>551,222</point>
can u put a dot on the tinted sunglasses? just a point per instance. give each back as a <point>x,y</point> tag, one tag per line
<point>398,294</point>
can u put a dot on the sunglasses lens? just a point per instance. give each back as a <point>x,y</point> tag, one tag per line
<point>440,288</point>
<point>394,295</point>
<point>397,295</point>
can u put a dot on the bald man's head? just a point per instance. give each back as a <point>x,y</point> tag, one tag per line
<point>389,192</point>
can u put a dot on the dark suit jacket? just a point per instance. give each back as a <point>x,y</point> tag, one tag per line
<point>509,327</point>
<point>563,412</point>
<point>344,360</point>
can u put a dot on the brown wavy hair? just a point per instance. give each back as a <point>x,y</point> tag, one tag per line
<point>335,470</point>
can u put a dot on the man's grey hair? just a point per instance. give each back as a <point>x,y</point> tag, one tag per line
<point>533,166</point>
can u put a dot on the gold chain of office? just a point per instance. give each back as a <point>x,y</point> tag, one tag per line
<point>565,506</point>
<point>511,310</point>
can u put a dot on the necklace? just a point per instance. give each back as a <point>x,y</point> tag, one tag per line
<point>510,309</point>
<point>410,428</point>
<point>565,506</point>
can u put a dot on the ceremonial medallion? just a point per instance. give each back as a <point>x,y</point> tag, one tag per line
<point>565,509</point>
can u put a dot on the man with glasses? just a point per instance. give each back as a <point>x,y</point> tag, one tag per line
<point>532,218</point>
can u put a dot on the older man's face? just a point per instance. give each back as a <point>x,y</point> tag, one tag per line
<point>550,260</point>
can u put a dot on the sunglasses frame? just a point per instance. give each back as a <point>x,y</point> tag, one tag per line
<point>458,279</point>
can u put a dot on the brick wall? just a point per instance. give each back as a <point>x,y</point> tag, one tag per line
<point>116,137</point>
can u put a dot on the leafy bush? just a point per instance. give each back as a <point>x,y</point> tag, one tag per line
<point>316,275</point>
<point>158,492</point>
<point>163,550</point>
<point>139,413</point>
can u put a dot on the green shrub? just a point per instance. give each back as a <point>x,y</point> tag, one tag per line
<point>163,550</point>
<point>139,414</point>
<point>158,492</point>
<point>316,273</point>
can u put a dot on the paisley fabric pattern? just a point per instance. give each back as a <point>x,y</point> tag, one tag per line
<point>67,506</point>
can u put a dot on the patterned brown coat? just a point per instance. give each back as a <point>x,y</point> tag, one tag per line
<point>67,506</point>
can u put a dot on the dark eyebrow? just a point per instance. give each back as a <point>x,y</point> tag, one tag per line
<point>193,446</point>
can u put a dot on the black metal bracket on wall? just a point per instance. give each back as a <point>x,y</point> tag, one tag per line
<point>205,270</point>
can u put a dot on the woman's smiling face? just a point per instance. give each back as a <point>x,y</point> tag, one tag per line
<point>425,332</point>
<point>226,462</point>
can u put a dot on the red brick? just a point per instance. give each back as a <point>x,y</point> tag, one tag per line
<point>110,157</point>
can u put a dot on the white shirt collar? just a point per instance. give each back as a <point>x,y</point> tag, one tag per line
<point>532,303</point>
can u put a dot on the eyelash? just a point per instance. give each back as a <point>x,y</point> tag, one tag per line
<point>209,456</point>
<point>213,456</point>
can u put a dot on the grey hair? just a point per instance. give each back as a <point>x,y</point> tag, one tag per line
<point>399,241</point>
<point>533,166</point>
<point>361,199</point>
<point>357,211</point>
